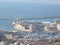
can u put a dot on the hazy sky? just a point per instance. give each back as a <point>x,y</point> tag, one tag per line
<point>34,1</point>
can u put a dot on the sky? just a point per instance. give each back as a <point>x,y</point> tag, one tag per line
<point>29,8</point>
<point>34,1</point>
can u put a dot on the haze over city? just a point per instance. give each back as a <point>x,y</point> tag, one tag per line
<point>34,1</point>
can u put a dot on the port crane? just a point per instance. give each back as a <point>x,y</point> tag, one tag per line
<point>17,25</point>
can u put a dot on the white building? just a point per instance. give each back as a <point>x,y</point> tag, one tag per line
<point>58,24</point>
<point>23,27</point>
<point>2,43</point>
<point>29,27</point>
<point>51,27</point>
<point>9,36</point>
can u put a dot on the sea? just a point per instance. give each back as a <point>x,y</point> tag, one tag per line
<point>13,10</point>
